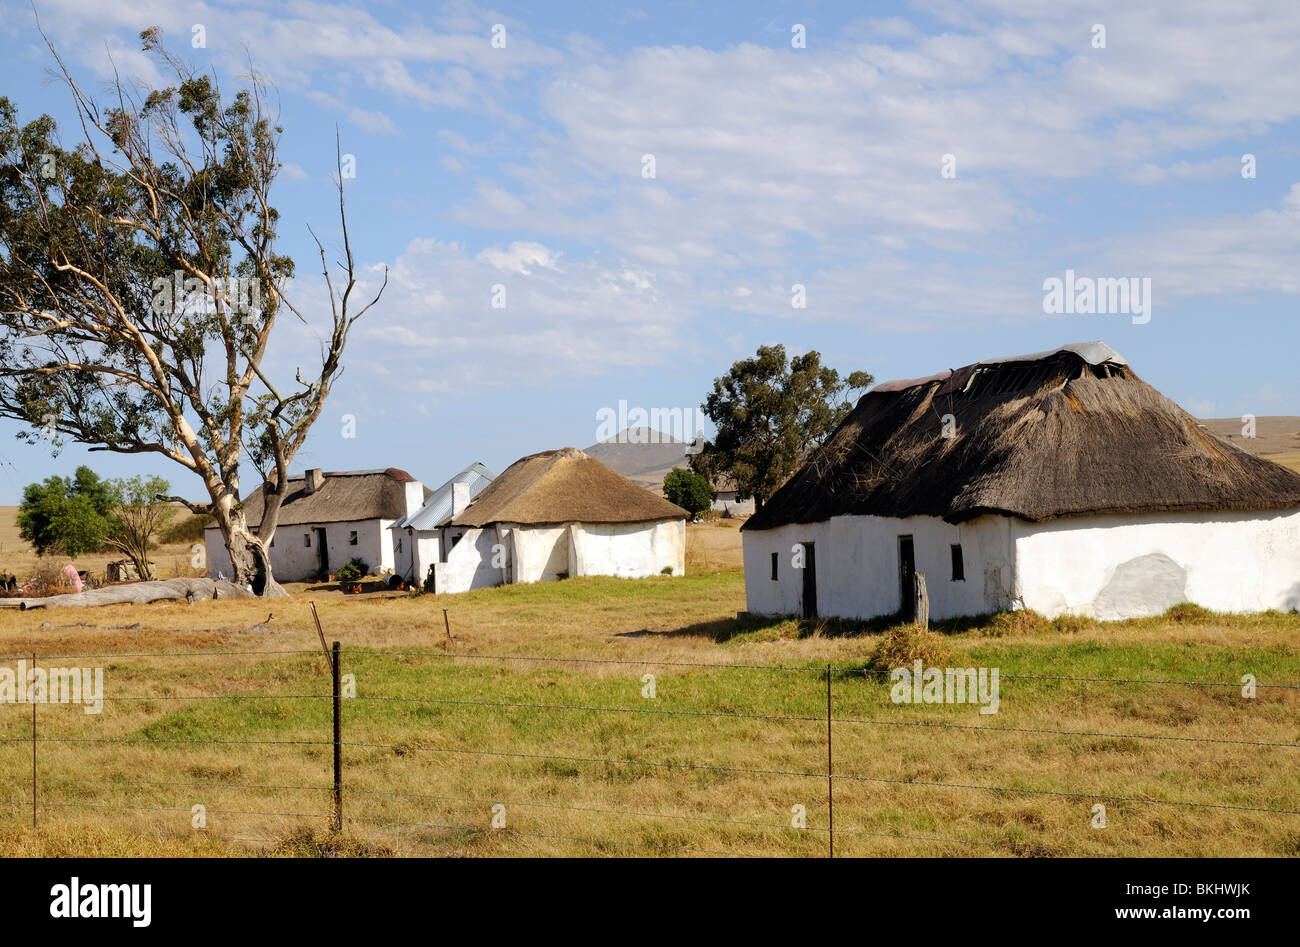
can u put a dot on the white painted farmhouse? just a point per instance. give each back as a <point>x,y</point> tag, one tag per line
<point>327,519</point>
<point>557,514</point>
<point>422,539</point>
<point>1058,481</point>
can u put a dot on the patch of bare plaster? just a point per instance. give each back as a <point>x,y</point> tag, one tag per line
<point>1147,585</point>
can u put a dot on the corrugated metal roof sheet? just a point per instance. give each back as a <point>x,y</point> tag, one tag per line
<point>438,506</point>
<point>1094,353</point>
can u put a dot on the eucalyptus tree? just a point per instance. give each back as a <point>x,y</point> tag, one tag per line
<point>140,285</point>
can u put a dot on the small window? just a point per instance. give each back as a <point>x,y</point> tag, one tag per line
<point>306,540</point>
<point>399,542</point>
<point>776,558</point>
<point>958,567</point>
<point>352,538</point>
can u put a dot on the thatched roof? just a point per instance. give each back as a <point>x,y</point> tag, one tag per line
<point>345,496</point>
<point>1069,432</point>
<point>564,486</point>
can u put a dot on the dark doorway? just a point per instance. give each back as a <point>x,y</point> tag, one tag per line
<point>323,552</point>
<point>809,581</point>
<point>906,571</point>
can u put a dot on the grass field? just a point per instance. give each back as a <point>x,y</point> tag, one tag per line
<point>1289,459</point>
<point>444,730</point>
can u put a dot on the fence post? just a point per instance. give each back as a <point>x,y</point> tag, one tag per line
<point>338,743</point>
<point>921,607</point>
<point>33,695</point>
<point>830,767</point>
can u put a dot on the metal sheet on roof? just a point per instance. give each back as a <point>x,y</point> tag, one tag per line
<point>1094,353</point>
<point>438,506</point>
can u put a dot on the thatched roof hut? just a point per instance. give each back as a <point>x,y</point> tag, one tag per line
<point>1069,432</point>
<point>565,486</point>
<point>1059,481</point>
<point>327,519</point>
<point>560,514</point>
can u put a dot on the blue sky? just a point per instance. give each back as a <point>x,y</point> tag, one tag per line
<point>774,165</point>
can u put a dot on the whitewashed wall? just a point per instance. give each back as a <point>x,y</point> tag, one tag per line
<point>539,553</point>
<point>545,553</point>
<point>469,563</point>
<point>413,552</point>
<point>294,561</point>
<point>629,550</point>
<point>857,566</point>
<point>726,501</point>
<point>1114,567</point>
<point>404,545</point>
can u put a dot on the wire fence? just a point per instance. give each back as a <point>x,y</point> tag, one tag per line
<point>432,752</point>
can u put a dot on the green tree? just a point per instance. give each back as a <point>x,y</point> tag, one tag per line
<point>68,517</point>
<point>140,286</point>
<point>689,490</point>
<point>139,515</point>
<point>770,413</point>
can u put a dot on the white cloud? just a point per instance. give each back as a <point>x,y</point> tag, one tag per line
<point>1243,255</point>
<point>436,318</point>
<point>520,257</point>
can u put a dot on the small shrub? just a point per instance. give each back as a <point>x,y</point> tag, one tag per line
<point>309,843</point>
<point>1188,613</point>
<point>666,570</point>
<point>902,645</point>
<point>1022,621</point>
<point>1072,624</point>
<point>352,572</point>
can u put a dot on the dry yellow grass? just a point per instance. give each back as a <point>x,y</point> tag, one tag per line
<point>424,771</point>
<point>1289,459</point>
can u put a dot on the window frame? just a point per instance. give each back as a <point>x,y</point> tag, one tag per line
<point>958,562</point>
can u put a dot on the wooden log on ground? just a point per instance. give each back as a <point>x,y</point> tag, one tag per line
<point>140,593</point>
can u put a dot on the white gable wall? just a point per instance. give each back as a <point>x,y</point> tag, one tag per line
<point>1129,566</point>
<point>857,565</point>
<point>469,563</point>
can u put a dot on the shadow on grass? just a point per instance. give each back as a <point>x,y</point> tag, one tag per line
<point>995,625</point>
<point>765,627</point>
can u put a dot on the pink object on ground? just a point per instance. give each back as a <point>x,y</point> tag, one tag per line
<point>70,577</point>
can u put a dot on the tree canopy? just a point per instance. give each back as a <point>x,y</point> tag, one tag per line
<point>770,413</point>
<point>689,490</point>
<point>67,516</point>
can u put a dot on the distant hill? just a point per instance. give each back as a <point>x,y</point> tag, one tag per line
<point>1274,434</point>
<point>644,463</point>
<point>1277,437</point>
